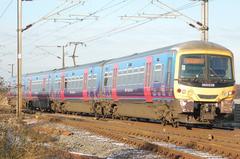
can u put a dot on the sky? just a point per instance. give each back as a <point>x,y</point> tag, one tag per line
<point>102,26</point>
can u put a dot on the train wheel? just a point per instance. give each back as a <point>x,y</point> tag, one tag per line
<point>189,126</point>
<point>175,124</point>
<point>123,118</point>
<point>53,106</point>
<point>96,116</point>
<point>62,108</point>
<point>164,121</point>
<point>114,112</point>
<point>97,110</point>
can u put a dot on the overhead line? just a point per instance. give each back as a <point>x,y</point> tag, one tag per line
<point>127,27</point>
<point>122,29</point>
<point>95,12</point>
<point>46,51</point>
<point>60,28</point>
<point>62,4</point>
<point>176,11</point>
<point>52,14</point>
<point>104,16</point>
<point>6,9</point>
<point>119,31</point>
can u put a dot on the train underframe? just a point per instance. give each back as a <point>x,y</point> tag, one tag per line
<point>168,112</point>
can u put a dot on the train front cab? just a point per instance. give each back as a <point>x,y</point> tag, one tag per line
<point>204,84</point>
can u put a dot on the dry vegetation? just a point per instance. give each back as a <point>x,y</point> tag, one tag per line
<point>18,141</point>
<point>21,141</point>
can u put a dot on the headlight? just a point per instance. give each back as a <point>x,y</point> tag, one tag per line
<point>231,92</point>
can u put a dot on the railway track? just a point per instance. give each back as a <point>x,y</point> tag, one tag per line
<point>165,140</point>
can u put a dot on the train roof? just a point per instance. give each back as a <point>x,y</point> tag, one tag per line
<point>68,68</point>
<point>190,45</point>
<point>201,45</point>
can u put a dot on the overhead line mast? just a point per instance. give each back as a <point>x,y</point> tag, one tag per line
<point>74,51</point>
<point>19,59</point>
<point>205,28</point>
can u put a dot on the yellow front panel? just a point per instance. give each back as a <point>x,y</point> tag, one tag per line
<point>200,94</point>
<point>203,94</point>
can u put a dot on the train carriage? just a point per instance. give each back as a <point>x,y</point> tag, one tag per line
<point>191,82</point>
<point>139,83</point>
<point>74,88</point>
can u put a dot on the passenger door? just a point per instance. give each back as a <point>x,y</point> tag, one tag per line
<point>147,79</point>
<point>29,88</point>
<point>91,83</point>
<point>62,86</point>
<point>169,82</point>
<point>44,86</point>
<point>85,85</point>
<point>114,83</point>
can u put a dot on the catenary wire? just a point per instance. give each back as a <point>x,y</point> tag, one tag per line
<point>6,9</point>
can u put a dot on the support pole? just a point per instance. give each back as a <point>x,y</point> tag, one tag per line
<point>204,20</point>
<point>12,69</point>
<point>74,55</point>
<point>75,49</point>
<point>63,57</point>
<point>19,59</point>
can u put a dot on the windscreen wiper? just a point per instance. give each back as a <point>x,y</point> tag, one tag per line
<point>221,79</point>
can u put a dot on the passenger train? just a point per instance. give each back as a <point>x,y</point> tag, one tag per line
<point>191,82</point>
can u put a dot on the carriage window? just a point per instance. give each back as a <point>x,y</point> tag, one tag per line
<point>158,67</point>
<point>130,71</point>
<point>105,79</point>
<point>158,73</point>
<point>66,83</point>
